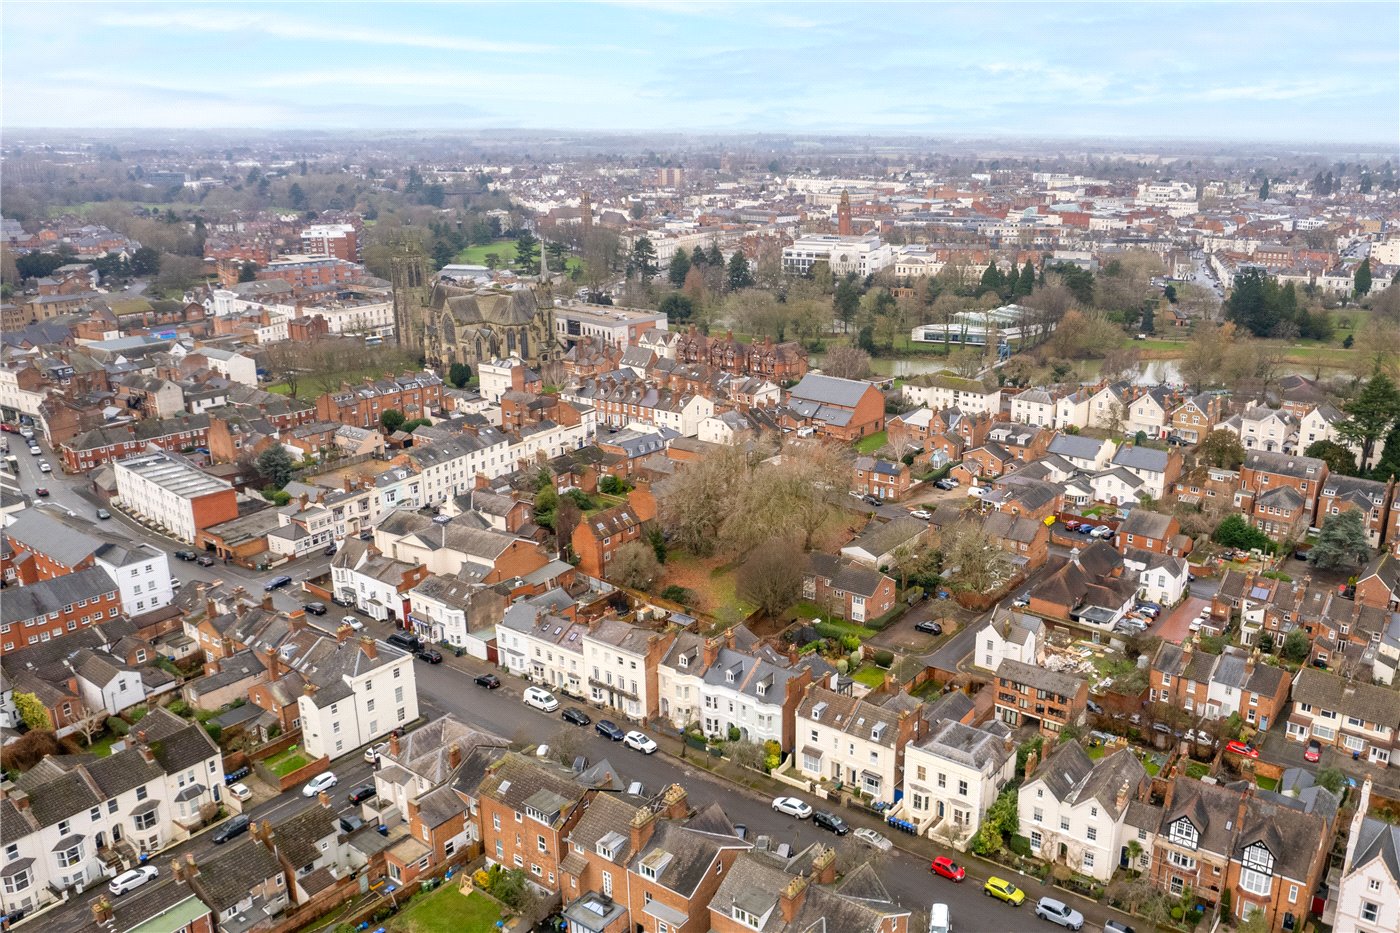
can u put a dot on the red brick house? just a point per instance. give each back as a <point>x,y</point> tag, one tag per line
<point>1151,531</point>
<point>1265,471</point>
<point>49,609</point>
<point>847,589</point>
<point>880,478</point>
<point>415,395</point>
<point>596,540</point>
<point>1023,538</point>
<point>840,409</point>
<point>526,811</point>
<point>1370,497</point>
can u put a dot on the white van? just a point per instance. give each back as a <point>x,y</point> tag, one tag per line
<point>541,699</point>
<point>938,919</point>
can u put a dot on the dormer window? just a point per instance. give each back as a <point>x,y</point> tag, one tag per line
<point>729,676</point>
<point>1183,834</point>
<point>685,660</point>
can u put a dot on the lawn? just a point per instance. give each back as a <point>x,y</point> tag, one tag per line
<point>445,909</point>
<point>284,763</point>
<point>505,251</point>
<point>713,583</point>
<point>872,443</point>
<point>869,675</point>
<point>103,746</point>
<point>1267,783</point>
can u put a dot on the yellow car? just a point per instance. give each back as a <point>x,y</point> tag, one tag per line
<point>1004,890</point>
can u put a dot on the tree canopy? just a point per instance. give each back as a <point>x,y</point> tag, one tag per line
<point>275,466</point>
<point>1342,544</point>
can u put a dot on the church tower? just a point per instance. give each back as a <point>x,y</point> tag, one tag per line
<point>843,214</point>
<point>585,211</point>
<point>408,272</point>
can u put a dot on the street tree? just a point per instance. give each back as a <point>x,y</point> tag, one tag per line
<point>1342,543</point>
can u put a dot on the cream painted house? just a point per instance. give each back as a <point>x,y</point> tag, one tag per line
<point>856,742</point>
<point>1369,898</point>
<point>953,777</point>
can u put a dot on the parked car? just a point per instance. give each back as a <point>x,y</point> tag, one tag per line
<point>240,791</point>
<point>1004,890</point>
<point>374,751</point>
<point>640,742</point>
<point>1242,748</point>
<point>316,609</point>
<point>275,583</point>
<point>330,550</point>
<point>922,514</point>
<point>830,821</point>
<point>1085,528</point>
<point>609,730</point>
<point>232,829</point>
<point>1117,926</point>
<point>204,560</point>
<point>103,515</point>
<point>405,640</point>
<point>1148,609</point>
<point>324,781</point>
<point>130,880</point>
<point>1059,912</point>
<point>1095,708</point>
<point>185,555</point>
<point>873,839</point>
<point>872,500</point>
<point>358,626</point>
<point>342,602</point>
<point>792,807</point>
<point>947,868</point>
<point>44,467</point>
<point>946,483</point>
<point>489,681</point>
<point>576,716</point>
<point>361,793</point>
<point>1101,532</point>
<point>1071,524</point>
<point>1314,751</point>
<point>540,699</point>
<point>431,655</point>
<point>1021,601</point>
<point>929,626</point>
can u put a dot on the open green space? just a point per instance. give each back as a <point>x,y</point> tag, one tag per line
<point>505,251</point>
<point>284,763</point>
<point>446,910</point>
<point>872,443</point>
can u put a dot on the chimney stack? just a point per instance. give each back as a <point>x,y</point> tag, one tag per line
<point>324,799</point>
<point>18,797</point>
<point>191,869</point>
<point>675,803</point>
<point>393,745</point>
<point>101,911</point>
<point>1032,759</point>
<point>640,827</point>
<point>1120,802</point>
<point>454,757</point>
<point>342,634</point>
<point>792,895</point>
<point>368,646</point>
<point>267,602</point>
<point>177,868</point>
<point>824,866</point>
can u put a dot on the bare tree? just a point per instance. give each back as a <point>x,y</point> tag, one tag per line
<point>975,562</point>
<point>566,518</point>
<point>847,363</point>
<point>771,577</point>
<point>635,565</point>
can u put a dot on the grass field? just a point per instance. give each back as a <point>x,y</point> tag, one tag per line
<point>285,763</point>
<point>869,675</point>
<point>447,910</point>
<point>872,443</point>
<point>505,250</point>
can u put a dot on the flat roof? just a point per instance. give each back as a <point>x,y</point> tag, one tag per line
<point>173,475</point>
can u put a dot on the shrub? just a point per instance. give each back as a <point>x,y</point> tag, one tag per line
<point>842,666</point>
<point>179,708</point>
<point>883,658</point>
<point>1020,845</point>
<point>215,731</point>
<point>850,642</point>
<point>678,594</point>
<point>734,734</point>
<point>117,726</point>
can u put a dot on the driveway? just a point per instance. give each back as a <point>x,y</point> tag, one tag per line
<point>1176,627</point>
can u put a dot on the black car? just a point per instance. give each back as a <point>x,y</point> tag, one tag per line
<point>185,555</point>
<point>330,550</point>
<point>872,500</point>
<point>929,626</point>
<point>231,830</point>
<point>204,560</point>
<point>828,820</point>
<point>406,640</point>
<point>276,583</point>
<point>103,514</point>
<point>431,655</point>
<point>489,681</point>
<point>316,609</point>
<point>609,730</point>
<point>576,716</point>
<point>361,793</point>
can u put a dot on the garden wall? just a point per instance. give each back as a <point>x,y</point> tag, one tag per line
<point>292,778</point>
<point>272,747</point>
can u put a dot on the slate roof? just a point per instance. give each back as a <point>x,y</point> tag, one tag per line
<point>1366,702</point>
<point>36,531</point>
<point>693,848</point>
<point>845,575</point>
<point>982,749</point>
<point>880,538</point>
<point>829,390</point>
<point>45,596</point>
<point>1147,524</point>
<point>1377,839</point>
<point>1141,458</point>
<point>233,871</point>
<point>297,836</point>
<point>1283,464</point>
<point>1039,678</point>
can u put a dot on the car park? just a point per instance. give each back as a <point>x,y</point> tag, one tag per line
<point>792,807</point>
<point>374,751</point>
<point>1056,911</point>
<point>320,782</point>
<point>945,867</point>
<point>1004,890</point>
<point>431,655</point>
<point>275,583</point>
<point>361,793</point>
<point>830,821</point>
<point>1313,751</point>
<point>928,626</point>
<point>103,515</point>
<point>130,880</point>
<point>357,625</point>
<point>873,839</point>
<point>540,699</point>
<point>316,609</point>
<point>405,640</point>
<point>640,742</point>
<point>1243,749</point>
<point>489,681</point>
<point>240,791</point>
<point>609,730</point>
<point>576,716</point>
<point>231,829</point>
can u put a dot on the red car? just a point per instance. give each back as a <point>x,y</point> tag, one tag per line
<point>41,492</point>
<point>947,868</point>
<point>1314,751</point>
<point>1240,748</point>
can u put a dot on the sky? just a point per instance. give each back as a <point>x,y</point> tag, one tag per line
<point>1304,72</point>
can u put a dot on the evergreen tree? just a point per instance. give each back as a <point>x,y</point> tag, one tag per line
<point>1361,283</point>
<point>642,262</point>
<point>1371,414</point>
<point>459,374</point>
<point>677,307</point>
<point>739,275</point>
<point>847,299</point>
<point>1342,544</point>
<point>991,280</point>
<point>1338,458</point>
<point>1389,463</point>
<point>275,466</point>
<point>527,257</point>
<point>716,258</point>
<point>698,258</point>
<point>1027,281</point>
<point>679,268</point>
<point>1012,282</point>
<point>1264,190</point>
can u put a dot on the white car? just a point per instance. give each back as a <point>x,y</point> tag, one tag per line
<point>792,807</point>
<point>540,699</point>
<point>319,783</point>
<point>874,840</point>
<point>1196,624</point>
<point>640,741</point>
<point>374,751</point>
<point>44,467</point>
<point>1103,531</point>
<point>130,880</point>
<point>353,622</point>
<point>921,514</point>
<point>240,791</point>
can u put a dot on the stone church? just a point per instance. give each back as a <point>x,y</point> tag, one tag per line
<point>472,326</point>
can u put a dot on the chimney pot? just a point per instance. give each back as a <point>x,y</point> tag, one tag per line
<point>393,745</point>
